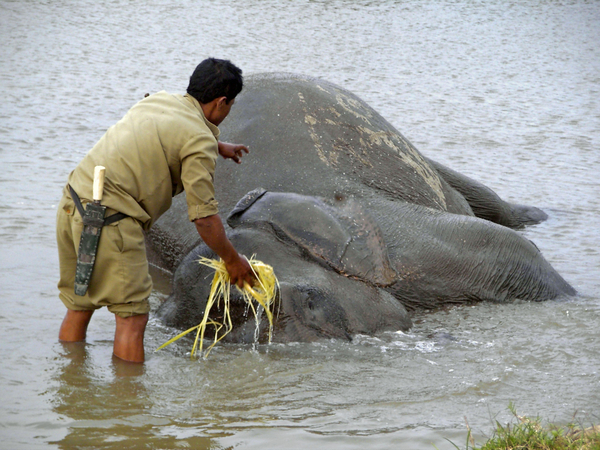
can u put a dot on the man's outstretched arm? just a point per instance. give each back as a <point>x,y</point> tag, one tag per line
<point>212,232</point>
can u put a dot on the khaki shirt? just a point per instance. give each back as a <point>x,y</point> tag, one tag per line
<point>162,146</point>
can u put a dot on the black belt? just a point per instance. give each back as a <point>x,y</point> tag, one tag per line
<point>107,221</point>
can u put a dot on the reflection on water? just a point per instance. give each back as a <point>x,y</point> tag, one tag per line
<point>109,413</point>
<point>505,92</point>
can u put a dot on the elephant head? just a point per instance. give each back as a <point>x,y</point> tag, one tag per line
<point>331,266</point>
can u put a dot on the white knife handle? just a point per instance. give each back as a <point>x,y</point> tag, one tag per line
<point>98,183</point>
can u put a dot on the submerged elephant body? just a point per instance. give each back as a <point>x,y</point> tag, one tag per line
<point>355,221</point>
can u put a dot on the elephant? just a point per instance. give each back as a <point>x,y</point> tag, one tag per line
<point>360,228</point>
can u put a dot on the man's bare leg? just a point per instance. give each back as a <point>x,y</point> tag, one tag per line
<point>74,326</point>
<point>129,338</point>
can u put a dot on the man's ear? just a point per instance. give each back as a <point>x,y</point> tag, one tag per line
<point>221,102</point>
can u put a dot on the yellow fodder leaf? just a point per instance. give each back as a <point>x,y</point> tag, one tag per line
<point>264,294</point>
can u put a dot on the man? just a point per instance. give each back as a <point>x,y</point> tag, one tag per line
<point>165,144</point>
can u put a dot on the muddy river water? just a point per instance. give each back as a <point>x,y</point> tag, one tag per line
<point>505,92</point>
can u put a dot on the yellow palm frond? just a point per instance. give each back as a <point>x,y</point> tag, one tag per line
<point>262,294</point>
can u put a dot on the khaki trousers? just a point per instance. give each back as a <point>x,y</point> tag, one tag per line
<point>120,280</point>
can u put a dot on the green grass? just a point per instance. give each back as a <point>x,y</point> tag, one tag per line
<point>529,434</point>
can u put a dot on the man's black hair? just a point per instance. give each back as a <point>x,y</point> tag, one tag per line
<point>214,78</point>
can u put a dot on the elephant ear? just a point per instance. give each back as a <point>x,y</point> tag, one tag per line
<point>244,203</point>
<point>344,236</point>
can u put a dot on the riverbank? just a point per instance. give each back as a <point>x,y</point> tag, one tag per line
<point>528,433</point>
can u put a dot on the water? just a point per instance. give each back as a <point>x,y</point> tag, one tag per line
<point>505,92</point>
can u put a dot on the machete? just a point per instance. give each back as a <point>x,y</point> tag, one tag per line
<point>93,221</point>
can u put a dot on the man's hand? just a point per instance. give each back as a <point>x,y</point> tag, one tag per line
<point>232,151</point>
<point>240,272</point>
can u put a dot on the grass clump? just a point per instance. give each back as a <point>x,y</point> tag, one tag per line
<point>259,298</point>
<point>529,434</point>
